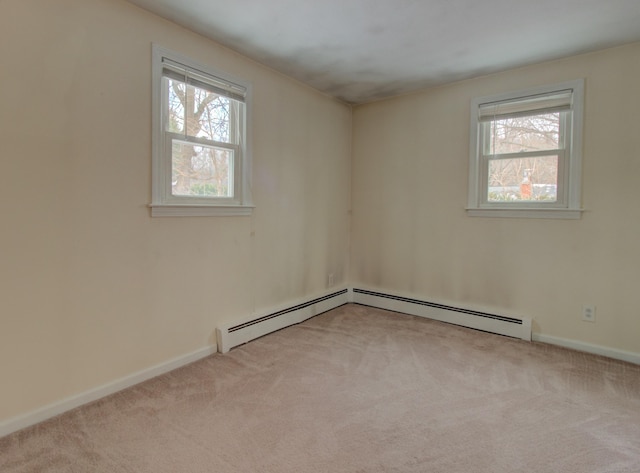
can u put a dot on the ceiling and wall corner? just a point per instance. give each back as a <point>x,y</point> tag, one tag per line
<point>363,50</point>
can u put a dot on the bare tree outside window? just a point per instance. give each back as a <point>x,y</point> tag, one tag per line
<point>200,169</point>
<point>523,157</point>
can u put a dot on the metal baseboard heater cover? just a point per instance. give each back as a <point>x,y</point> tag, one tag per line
<point>232,335</point>
<point>509,326</point>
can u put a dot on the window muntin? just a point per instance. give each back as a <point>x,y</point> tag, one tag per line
<point>200,160</point>
<point>525,153</point>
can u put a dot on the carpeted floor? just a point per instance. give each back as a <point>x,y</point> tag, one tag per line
<point>357,390</point>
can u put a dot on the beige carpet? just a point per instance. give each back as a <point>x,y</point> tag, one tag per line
<point>357,390</point>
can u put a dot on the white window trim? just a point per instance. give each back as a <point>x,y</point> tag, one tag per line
<point>162,203</point>
<point>569,210</point>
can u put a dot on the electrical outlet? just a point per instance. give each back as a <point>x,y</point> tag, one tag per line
<point>589,313</point>
<point>330,280</point>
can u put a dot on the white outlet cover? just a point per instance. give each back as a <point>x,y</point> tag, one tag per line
<point>589,313</point>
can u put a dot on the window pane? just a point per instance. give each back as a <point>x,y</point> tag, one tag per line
<point>201,171</point>
<point>528,133</point>
<point>523,179</point>
<point>207,114</point>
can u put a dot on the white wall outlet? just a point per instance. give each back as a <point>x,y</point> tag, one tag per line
<point>589,313</point>
<point>330,280</point>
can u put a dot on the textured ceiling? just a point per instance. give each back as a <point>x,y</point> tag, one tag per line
<point>364,50</point>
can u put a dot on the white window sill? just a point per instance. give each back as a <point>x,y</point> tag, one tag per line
<point>571,214</point>
<point>164,210</point>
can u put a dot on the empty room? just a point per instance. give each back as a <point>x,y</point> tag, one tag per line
<point>338,236</point>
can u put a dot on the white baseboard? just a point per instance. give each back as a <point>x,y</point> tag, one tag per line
<point>614,353</point>
<point>243,331</point>
<point>274,320</point>
<point>255,327</point>
<point>466,317</point>
<point>20,422</point>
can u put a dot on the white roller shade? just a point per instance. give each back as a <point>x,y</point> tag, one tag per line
<point>219,86</point>
<point>523,106</point>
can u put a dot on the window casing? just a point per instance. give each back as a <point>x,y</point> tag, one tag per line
<point>525,156</point>
<point>201,155</point>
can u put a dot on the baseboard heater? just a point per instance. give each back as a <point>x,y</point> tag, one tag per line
<point>509,326</point>
<point>232,335</point>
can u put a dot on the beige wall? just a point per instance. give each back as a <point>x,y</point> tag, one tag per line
<point>410,232</point>
<point>91,287</point>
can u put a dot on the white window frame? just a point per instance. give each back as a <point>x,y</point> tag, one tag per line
<point>567,205</point>
<point>163,203</point>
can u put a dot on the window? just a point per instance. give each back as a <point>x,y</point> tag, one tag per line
<point>525,157</point>
<point>200,160</point>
